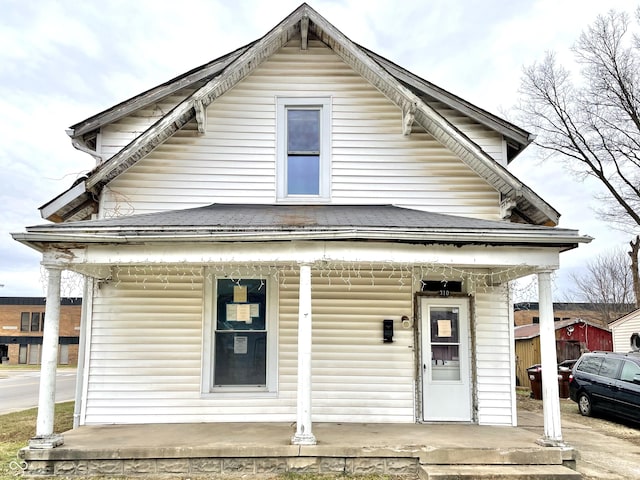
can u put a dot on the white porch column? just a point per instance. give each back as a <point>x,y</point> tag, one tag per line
<point>549,362</point>
<point>304,435</point>
<point>45,438</point>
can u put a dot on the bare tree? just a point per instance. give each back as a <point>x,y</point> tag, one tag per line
<point>594,124</point>
<point>607,283</point>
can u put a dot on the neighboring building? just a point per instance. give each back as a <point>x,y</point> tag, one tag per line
<point>626,332</point>
<point>526,313</point>
<point>299,231</point>
<point>21,325</point>
<point>573,338</point>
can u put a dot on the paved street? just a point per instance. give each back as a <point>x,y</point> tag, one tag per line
<point>19,388</point>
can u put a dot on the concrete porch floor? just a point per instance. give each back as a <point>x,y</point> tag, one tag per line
<point>236,448</point>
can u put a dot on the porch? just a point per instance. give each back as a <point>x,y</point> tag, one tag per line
<point>429,451</point>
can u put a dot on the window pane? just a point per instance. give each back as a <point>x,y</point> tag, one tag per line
<point>241,337</point>
<point>590,365</point>
<point>24,322</point>
<point>22,354</point>
<point>64,354</point>
<point>303,131</point>
<point>35,321</point>
<point>242,304</point>
<point>445,362</point>
<point>444,324</point>
<point>34,354</point>
<point>303,175</point>
<point>629,370</point>
<point>609,367</point>
<point>241,358</point>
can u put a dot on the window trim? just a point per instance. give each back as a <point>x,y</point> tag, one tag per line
<point>324,105</point>
<point>208,337</point>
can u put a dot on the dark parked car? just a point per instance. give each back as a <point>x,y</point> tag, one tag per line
<point>607,382</point>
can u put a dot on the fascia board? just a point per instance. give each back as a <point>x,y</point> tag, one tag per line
<point>625,318</point>
<point>507,129</point>
<point>53,206</point>
<point>566,238</point>
<point>153,95</point>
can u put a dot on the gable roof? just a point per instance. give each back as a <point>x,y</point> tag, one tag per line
<point>227,222</point>
<point>526,332</point>
<point>406,90</point>
<point>631,316</point>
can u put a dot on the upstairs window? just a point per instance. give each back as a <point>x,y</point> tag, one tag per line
<point>303,149</point>
<point>24,322</point>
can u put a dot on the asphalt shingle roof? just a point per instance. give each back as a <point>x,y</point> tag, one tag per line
<point>296,217</point>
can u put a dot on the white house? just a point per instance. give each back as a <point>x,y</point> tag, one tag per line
<point>626,332</point>
<point>298,231</point>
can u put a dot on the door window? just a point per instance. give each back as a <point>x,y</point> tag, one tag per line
<point>445,343</point>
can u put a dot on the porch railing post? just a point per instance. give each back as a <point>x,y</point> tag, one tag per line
<point>45,438</point>
<point>304,434</point>
<point>549,364</point>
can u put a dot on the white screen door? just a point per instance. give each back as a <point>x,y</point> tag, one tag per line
<point>446,376</point>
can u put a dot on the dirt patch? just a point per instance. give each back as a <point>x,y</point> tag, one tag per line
<point>605,424</point>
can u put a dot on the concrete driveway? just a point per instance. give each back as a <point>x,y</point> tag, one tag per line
<point>607,448</point>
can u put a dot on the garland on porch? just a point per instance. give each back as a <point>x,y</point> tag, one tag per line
<point>348,274</point>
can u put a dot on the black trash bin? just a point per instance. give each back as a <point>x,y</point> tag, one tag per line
<point>535,377</point>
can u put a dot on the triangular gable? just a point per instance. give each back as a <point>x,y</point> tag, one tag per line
<point>629,316</point>
<point>530,207</point>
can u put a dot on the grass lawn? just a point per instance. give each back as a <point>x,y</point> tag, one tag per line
<point>17,428</point>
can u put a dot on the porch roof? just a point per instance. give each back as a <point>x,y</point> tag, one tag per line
<point>227,222</point>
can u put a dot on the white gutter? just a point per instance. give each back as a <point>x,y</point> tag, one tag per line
<point>517,237</point>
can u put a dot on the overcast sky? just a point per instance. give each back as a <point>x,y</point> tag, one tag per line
<point>63,61</point>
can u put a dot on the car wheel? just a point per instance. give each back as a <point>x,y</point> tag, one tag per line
<point>584,404</point>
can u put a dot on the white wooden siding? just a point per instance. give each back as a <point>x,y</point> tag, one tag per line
<point>146,354</point>
<point>355,376</point>
<point>120,133</point>
<point>622,332</point>
<point>145,363</point>
<point>493,358</point>
<point>234,162</point>
<point>489,140</point>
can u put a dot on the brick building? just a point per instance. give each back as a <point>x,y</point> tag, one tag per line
<point>526,313</point>
<point>21,325</point>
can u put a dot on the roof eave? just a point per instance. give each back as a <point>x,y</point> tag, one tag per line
<point>154,94</point>
<point>561,240</point>
<point>75,203</point>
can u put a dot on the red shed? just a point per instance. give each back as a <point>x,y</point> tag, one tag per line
<point>573,337</point>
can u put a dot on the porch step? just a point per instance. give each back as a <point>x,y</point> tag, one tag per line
<point>497,472</point>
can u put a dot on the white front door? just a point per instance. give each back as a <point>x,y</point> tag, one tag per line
<point>446,378</point>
